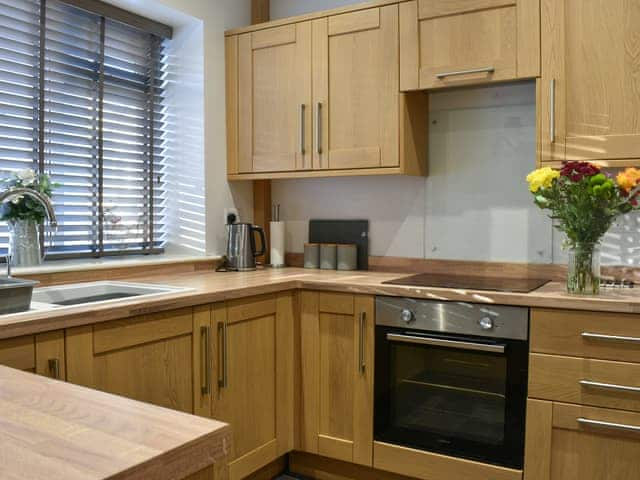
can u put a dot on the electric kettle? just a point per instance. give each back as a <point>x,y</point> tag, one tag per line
<point>241,246</point>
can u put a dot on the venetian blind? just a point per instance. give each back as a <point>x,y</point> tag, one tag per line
<point>101,129</point>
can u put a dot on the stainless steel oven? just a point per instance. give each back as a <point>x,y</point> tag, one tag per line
<point>451,378</point>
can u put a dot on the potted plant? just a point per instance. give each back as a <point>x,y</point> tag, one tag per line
<point>584,202</point>
<point>24,215</point>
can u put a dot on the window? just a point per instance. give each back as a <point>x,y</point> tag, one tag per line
<point>81,98</point>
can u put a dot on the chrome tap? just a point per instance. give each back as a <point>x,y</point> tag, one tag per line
<point>36,195</point>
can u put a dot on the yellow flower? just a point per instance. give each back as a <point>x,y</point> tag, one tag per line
<point>542,177</point>
<point>628,179</point>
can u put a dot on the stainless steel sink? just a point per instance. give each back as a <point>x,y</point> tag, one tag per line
<point>97,292</point>
<point>15,294</point>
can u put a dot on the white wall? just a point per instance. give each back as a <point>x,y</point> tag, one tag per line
<point>198,95</point>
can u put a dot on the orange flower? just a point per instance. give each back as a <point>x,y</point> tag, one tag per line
<point>628,179</point>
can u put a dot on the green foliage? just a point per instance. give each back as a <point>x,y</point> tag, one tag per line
<point>25,208</point>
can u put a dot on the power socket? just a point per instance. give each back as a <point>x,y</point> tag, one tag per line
<point>231,211</point>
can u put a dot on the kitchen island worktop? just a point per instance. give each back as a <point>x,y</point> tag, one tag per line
<point>51,430</point>
<point>208,287</point>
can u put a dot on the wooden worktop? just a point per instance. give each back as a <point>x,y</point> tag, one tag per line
<point>209,287</point>
<point>51,430</point>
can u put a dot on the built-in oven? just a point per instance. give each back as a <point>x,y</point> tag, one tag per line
<point>451,378</point>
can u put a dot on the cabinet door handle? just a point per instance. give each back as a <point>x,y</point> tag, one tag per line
<point>205,335</point>
<point>223,380</point>
<point>54,368</point>
<point>552,110</point>
<point>608,425</point>
<point>609,338</point>
<point>465,72</point>
<point>302,139</point>
<point>319,128</point>
<point>362,326</point>
<point>609,386</point>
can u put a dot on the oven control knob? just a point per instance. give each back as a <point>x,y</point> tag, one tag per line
<point>486,323</point>
<point>407,316</point>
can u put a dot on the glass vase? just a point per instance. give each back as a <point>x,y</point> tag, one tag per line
<point>583,276</point>
<point>24,243</point>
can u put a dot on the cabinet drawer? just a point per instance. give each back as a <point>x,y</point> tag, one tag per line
<point>19,353</point>
<point>608,336</point>
<point>599,383</point>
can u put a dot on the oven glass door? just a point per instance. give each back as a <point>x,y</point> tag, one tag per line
<point>456,395</point>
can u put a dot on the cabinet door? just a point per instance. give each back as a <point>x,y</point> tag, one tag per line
<point>445,43</point>
<point>43,354</point>
<point>590,89</point>
<point>337,332</point>
<point>147,358</point>
<point>356,90</point>
<point>572,441</point>
<point>255,379</point>
<point>274,99</point>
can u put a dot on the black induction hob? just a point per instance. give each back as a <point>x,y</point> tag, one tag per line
<point>470,282</point>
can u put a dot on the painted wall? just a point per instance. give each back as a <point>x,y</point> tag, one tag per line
<point>199,191</point>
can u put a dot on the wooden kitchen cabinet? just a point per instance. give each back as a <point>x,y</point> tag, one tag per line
<point>572,441</point>
<point>336,375</point>
<point>147,358</point>
<point>320,97</point>
<point>589,95</point>
<point>252,387</point>
<point>452,43</point>
<point>356,90</point>
<point>273,98</point>
<point>43,354</point>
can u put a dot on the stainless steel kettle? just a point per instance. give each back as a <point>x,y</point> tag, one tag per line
<point>241,246</point>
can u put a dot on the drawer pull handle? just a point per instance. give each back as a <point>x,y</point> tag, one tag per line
<point>465,72</point>
<point>608,425</point>
<point>205,336</point>
<point>609,386</point>
<point>609,338</point>
<point>362,327</point>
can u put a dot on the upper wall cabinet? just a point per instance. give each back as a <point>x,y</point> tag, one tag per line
<point>447,43</point>
<point>322,98</point>
<point>589,97</point>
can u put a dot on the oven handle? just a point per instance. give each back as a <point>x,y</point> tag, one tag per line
<point>441,342</point>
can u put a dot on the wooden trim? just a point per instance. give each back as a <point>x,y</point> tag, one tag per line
<point>314,466</point>
<point>50,346</point>
<point>253,307</point>
<point>433,466</point>
<point>409,47</point>
<point>270,471</point>
<point>351,172</point>
<point>528,38</point>
<point>260,11</point>
<point>537,458</point>
<point>309,375</point>
<point>442,8</point>
<point>354,22</point>
<point>231,97</point>
<point>252,461</point>
<point>273,37</point>
<point>285,371</point>
<point>313,16</point>
<point>262,212</point>
<point>414,143</point>
<point>123,16</point>
<point>339,303</point>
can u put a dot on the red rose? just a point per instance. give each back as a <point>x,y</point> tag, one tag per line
<point>576,171</point>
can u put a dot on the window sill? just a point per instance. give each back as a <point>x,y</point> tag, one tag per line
<point>106,263</point>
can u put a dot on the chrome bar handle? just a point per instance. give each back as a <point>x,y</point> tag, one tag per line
<point>609,386</point>
<point>609,338</point>
<point>552,110</point>
<point>7,258</point>
<point>465,72</point>
<point>362,327</point>
<point>205,335</point>
<point>302,139</point>
<point>223,382</point>
<point>608,425</point>
<point>319,128</point>
<point>441,342</point>
<point>54,368</point>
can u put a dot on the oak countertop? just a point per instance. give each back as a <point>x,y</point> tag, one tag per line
<point>208,287</point>
<point>51,430</point>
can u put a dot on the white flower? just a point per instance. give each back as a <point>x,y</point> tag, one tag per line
<point>27,176</point>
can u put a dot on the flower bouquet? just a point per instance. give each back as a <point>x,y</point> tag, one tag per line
<point>584,202</point>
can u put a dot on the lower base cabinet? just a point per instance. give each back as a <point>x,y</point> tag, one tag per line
<point>43,354</point>
<point>566,441</point>
<point>247,380</point>
<point>147,358</point>
<point>336,404</point>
